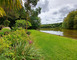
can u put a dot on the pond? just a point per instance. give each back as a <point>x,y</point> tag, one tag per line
<point>61,32</point>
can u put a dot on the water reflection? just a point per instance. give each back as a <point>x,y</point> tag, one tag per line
<point>53,32</point>
<point>62,32</point>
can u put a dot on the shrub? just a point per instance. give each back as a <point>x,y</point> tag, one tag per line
<point>5,30</point>
<point>2,12</point>
<point>18,46</point>
<point>22,23</point>
<point>16,28</point>
<point>28,33</point>
<point>1,26</point>
<point>6,23</point>
<point>1,34</point>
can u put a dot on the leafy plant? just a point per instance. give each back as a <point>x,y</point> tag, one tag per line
<point>1,26</point>
<point>28,33</point>
<point>2,12</point>
<point>22,23</point>
<point>4,31</point>
<point>6,23</point>
<point>18,46</point>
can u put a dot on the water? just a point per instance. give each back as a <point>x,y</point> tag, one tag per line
<point>53,32</point>
<point>61,32</point>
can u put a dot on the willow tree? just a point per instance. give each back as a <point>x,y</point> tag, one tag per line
<point>29,4</point>
<point>10,5</point>
<point>2,12</point>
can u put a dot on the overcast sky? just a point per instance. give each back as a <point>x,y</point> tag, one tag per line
<point>54,11</point>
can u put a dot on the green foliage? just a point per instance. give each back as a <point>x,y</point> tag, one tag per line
<point>75,22</point>
<point>2,12</point>
<point>30,12</point>
<point>6,23</point>
<point>15,11</point>
<point>5,30</point>
<point>28,33</point>
<point>18,46</point>
<point>16,28</point>
<point>55,25</point>
<point>11,8</point>
<point>1,34</point>
<point>22,23</point>
<point>35,21</point>
<point>1,26</point>
<point>70,22</point>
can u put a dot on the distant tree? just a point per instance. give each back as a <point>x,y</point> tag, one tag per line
<point>75,22</point>
<point>70,21</point>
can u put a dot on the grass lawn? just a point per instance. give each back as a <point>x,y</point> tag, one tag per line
<point>55,47</point>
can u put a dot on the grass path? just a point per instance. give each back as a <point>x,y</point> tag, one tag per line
<point>55,47</point>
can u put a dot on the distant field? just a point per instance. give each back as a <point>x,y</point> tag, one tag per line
<point>55,47</point>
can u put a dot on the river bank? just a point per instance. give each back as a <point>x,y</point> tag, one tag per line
<point>55,47</point>
<point>61,32</point>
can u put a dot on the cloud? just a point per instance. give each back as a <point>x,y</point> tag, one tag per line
<point>54,11</point>
<point>44,5</point>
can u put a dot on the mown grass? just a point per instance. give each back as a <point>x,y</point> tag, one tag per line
<point>55,47</point>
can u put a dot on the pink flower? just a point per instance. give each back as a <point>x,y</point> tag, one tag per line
<point>30,42</point>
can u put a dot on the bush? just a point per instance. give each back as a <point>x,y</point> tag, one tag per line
<point>22,23</point>
<point>6,23</point>
<point>2,12</point>
<point>75,26</point>
<point>17,46</point>
<point>1,26</point>
<point>4,31</point>
<point>28,33</point>
<point>16,28</point>
<point>1,34</point>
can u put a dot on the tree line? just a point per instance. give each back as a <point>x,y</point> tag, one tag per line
<point>55,25</point>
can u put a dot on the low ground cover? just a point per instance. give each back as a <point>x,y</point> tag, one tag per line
<point>17,45</point>
<point>55,47</point>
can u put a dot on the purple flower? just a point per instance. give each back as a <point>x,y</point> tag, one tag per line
<point>30,42</point>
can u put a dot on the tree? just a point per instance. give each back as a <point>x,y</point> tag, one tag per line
<point>12,8</point>
<point>34,19</point>
<point>2,12</point>
<point>75,22</point>
<point>28,5</point>
<point>70,21</point>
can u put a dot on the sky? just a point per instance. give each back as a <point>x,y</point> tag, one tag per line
<point>54,11</point>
